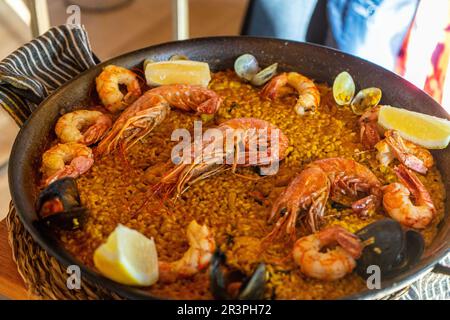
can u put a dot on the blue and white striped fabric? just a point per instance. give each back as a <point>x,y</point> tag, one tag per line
<point>35,70</point>
<point>432,286</point>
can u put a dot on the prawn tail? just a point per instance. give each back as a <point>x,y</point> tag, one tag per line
<point>414,163</point>
<point>271,89</point>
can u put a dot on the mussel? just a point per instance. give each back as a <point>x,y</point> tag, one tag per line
<point>228,284</point>
<point>343,88</point>
<point>59,205</point>
<point>389,247</point>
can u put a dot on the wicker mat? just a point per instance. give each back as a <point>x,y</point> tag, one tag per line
<point>44,276</point>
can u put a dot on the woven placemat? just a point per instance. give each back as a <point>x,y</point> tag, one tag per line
<point>43,275</point>
<point>46,278</point>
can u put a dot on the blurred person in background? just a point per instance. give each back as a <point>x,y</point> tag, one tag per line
<point>410,37</point>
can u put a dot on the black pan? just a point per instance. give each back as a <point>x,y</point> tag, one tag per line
<point>314,61</point>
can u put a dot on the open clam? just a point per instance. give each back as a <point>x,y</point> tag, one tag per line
<point>246,67</point>
<point>365,99</point>
<point>264,75</point>
<point>59,205</point>
<point>343,88</point>
<point>233,284</point>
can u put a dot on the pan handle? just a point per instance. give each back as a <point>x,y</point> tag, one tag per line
<point>441,269</point>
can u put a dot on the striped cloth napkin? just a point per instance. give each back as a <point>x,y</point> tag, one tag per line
<point>41,66</point>
<point>38,68</point>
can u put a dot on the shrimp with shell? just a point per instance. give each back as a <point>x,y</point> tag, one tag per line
<point>135,123</point>
<point>332,264</point>
<point>393,146</point>
<point>237,136</point>
<point>109,84</point>
<point>397,200</point>
<point>195,259</point>
<point>83,126</point>
<point>310,190</point>
<point>308,94</point>
<point>411,155</point>
<point>191,98</point>
<point>66,160</point>
<point>147,112</point>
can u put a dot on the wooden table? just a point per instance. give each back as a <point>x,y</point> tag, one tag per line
<point>11,284</point>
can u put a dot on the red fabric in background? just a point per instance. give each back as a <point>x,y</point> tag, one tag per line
<point>439,60</point>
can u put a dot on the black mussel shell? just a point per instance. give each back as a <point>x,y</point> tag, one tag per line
<point>59,205</point>
<point>411,254</point>
<point>251,288</point>
<point>67,220</point>
<point>389,247</point>
<point>65,190</point>
<point>384,242</point>
<point>218,284</point>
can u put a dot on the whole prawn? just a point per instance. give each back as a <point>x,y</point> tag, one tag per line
<point>332,264</point>
<point>240,134</point>
<point>66,160</point>
<point>195,259</point>
<point>189,98</point>
<point>393,145</point>
<point>135,123</point>
<point>108,89</point>
<point>147,112</point>
<point>311,189</point>
<point>411,155</point>
<point>83,126</point>
<point>308,94</point>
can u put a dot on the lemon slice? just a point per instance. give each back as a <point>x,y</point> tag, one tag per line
<point>128,257</point>
<point>177,72</point>
<point>427,131</point>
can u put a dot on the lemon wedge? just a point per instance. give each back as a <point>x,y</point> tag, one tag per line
<point>177,72</point>
<point>128,257</point>
<point>427,131</point>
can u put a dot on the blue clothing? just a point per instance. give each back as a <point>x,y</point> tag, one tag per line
<point>282,19</point>
<point>371,29</point>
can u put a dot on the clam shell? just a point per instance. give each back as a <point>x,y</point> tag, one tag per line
<point>343,88</point>
<point>365,99</point>
<point>246,66</point>
<point>264,75</point>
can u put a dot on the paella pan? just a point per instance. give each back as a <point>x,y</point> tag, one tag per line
<point>334,189</point>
